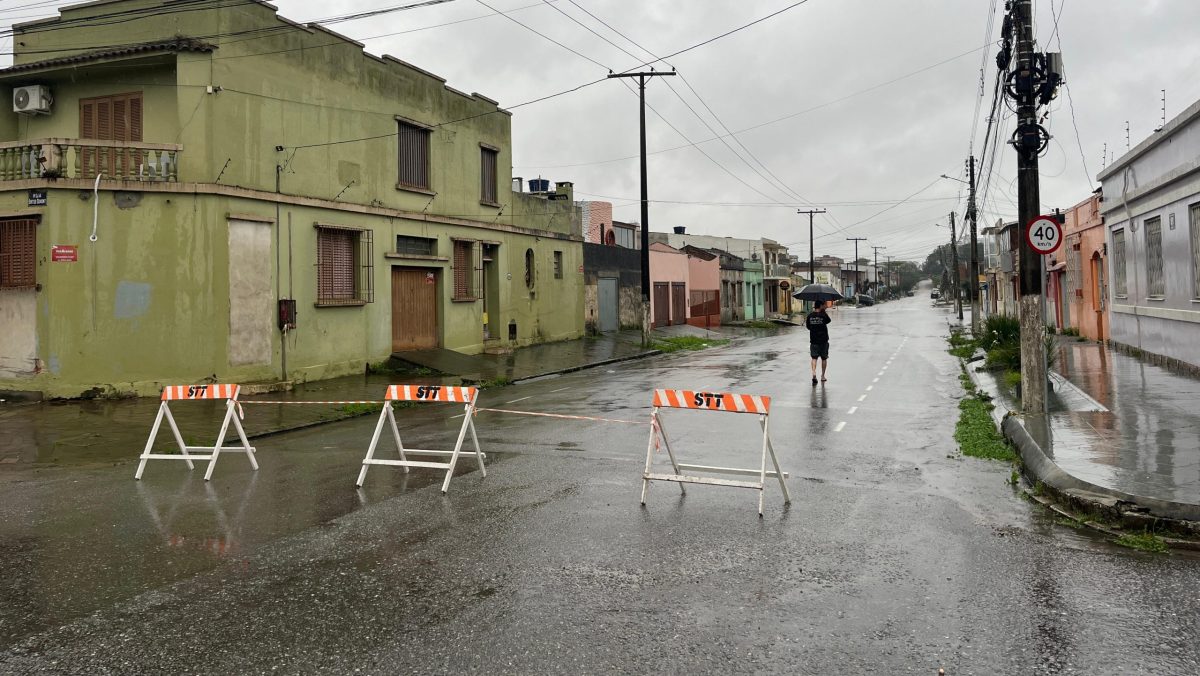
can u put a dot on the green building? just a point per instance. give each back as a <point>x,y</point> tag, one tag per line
<point>207,191</point>
<point>752,277</point>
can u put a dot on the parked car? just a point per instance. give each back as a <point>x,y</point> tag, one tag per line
<point>865,300</point>
<point>909,294</point>
<point>934,294</point>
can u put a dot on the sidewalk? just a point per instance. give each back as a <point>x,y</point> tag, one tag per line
<point>105,431</point>
<point>1145,448</point>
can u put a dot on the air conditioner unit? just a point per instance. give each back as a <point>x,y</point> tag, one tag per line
<point>32,100</point>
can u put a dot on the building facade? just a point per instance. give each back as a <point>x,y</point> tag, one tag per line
<point>669,285</point>
<point>284,208</point>
<point>1151,212</point>
<point>1085,282</point>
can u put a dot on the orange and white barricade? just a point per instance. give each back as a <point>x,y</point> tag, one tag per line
<point>724,402</point>
<point>210,453</point>
<point>425,393</point>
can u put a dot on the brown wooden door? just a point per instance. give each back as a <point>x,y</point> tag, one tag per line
<point>678,303</point>
<point>662,304</point>
<point>414,309</point>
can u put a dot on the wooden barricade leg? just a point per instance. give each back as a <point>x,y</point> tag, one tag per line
<point>662,432</point>
<point>458,444</point>
<point>657,431</point>
<point>246,447</point>
<point>163,411</point>
<point>383,416</point>
<point>765,422</point>
<point>391,415</point>
<point>216,451</point>
<point>475,439</point>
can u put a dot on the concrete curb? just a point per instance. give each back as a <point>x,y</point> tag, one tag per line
<point>589,365</point>
<point>1038,466</point>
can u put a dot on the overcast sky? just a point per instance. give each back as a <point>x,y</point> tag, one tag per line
<point>850,136</point>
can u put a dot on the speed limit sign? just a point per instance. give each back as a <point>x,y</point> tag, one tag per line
<point>1044,234</point>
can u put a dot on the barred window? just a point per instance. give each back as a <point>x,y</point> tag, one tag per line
<point>416,246</point>
<point>487,175</point>
<point>18,253</point>
<point>530,273</point>
<point>1154,258</point>
<point>1195,232</point>
<point>558,265</point>
<point>344,268</point>
<point>413,144</point>
<point>464,268</point>
<point>1119,280</point>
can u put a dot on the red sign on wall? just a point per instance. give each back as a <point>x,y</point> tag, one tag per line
<point>64,253</point>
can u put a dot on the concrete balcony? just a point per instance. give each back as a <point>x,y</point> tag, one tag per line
<point>777,271</point>
<point>67,158</point>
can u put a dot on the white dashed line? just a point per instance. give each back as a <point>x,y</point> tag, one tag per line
<point>880,374</point>
<point>839,426</point>
<point>559,390</point>
<point>862,397</point>
<point>852,410</point>
<point>875,381</point>
<point>457,416</point>
<point>516,400</point>
<point>870,387</point>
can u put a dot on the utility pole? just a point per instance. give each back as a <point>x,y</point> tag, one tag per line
<point>877,248</point>
<point>1033,83</point>
<point>856,240</point>
<point>812,275</point>
<point>641,78</point>
<point>891,283</point>
<point>974,250</point>
<point>954,260</point>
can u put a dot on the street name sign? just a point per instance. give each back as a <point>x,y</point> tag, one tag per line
<point>1044,234</point>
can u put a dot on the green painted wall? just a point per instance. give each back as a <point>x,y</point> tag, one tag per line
<point>148,303</point>
<point>754,300</point>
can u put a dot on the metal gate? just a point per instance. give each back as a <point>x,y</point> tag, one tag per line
<point>414,309</point>
<point>607,298</point>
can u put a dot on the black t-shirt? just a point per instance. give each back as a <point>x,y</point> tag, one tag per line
<point>816,321</point>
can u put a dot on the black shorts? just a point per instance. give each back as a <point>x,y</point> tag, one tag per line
<point>819,350</point>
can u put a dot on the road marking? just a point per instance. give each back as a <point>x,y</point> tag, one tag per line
<point>875,381</point>
<point>852,410</point>
<point>457,416</point>
<point>839,426</point>
<point>516,400</point>
<point>559,390</point>
<point>870,387</point>
<point>880,374</point>
<point>862,397</point>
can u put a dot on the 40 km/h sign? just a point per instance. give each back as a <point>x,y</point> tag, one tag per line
<point>1044,234</point>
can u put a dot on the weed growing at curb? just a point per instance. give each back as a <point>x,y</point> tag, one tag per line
<point>352,410</point>
<point>495,382</point>
<point>760,324</point>
<point>1144,541</point>
<point>976,433</point>
<point>677,343</point>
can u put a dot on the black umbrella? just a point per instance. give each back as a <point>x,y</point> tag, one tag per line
<point>817,292</point>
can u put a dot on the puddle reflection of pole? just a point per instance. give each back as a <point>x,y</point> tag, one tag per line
<point>220,545</point>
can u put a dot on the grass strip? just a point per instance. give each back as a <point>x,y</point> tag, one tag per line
<point>1144,541</point>
<point>677,343</point>
<point>976,432</point>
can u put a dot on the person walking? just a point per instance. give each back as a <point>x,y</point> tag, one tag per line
<point>817,323</point>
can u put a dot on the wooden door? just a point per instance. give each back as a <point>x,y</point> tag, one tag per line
<point>414,309</point>
<point>662,304</point>
<point>678,303</point>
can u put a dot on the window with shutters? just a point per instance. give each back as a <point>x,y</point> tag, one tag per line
<point>18,254</point>
<point>464,269</point>
<point>487,175</point>
<point>413,144</point>
<point>345,273</point>
<point>558,265</point>
<point>1154,258</point>
<point>111,118</point>
<point>1194,216</point>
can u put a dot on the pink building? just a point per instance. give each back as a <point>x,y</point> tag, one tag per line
<point>704,287</point>
<point>669,273</point>
<point>1085,293</point>
<point>597,221</point>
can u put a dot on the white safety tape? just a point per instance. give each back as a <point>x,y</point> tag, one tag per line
<point>560,415</point>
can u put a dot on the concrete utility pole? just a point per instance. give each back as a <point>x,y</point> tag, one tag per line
<point>877,248</point>
<point>856,240</point>
<point>641,78</point>
<point>812,275</point>
<point>1032,80</point>
<point>890,282</point>
<point>974,250</point>
<point>954,259</point>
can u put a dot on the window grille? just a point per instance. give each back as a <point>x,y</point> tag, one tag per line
<point>558,265</point>
<point>464,267</point>
<point>18,254</point>
<point>1154,259</point>
<point>1119,279</point>
<point>413,145</point>
<point>529,270</point>
<point>345,272</point>
<point>487,175</point>
<point>416,246</point>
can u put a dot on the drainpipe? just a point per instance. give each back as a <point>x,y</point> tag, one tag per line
<point>278,281</point>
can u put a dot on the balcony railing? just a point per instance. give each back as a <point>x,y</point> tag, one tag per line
<point>777,271</point>
<point>54,158</point>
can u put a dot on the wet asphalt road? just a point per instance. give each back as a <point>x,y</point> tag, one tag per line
<point>895,556</point>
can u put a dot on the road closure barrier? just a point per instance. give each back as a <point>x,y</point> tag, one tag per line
<point>233,415</point>
<point>715,402</point>
<point>428,394</point>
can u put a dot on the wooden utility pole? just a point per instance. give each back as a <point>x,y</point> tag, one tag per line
<point>877,248</point>
<point>812,275</point>
<point>641,78</point>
